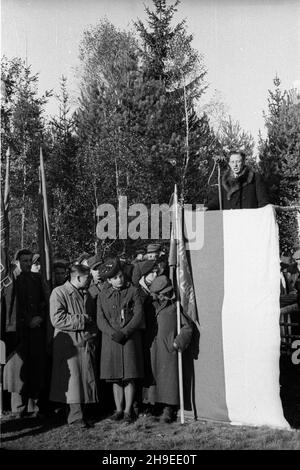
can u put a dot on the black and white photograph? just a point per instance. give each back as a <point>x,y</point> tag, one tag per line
<point>150,229</point>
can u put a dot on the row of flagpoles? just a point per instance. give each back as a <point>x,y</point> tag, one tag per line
<point>43,232</point>
<point>6,274</point>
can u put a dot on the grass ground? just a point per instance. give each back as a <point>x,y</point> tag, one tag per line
<point>147,433</point>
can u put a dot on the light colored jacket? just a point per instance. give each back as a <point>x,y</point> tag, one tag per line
<point>73,370</point>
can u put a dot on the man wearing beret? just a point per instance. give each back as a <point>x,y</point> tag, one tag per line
<point>120,318</point>
<point>164,346</point>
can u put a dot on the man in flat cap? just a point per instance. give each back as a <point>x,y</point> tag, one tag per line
<point>153,252</point>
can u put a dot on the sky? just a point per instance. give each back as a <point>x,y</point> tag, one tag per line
<point>244,43</point>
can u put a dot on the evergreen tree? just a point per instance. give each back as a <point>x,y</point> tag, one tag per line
<point>279,156</point>
<point>168,56</point>
<point>22,127</point>
<point>63,195</point>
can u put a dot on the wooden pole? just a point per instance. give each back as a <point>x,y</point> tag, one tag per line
<point>178,233</point>
<point>219,187</point>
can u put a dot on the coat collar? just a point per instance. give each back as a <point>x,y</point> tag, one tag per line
<point>144,285</point>
<point>232,185</point>
<point>109,290</point>
<point>70,288</point>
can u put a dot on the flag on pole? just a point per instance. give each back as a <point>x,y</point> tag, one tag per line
<point>178,258</point>
<point>44,230</point>
<point>237,277</point>
<point>5,271</point>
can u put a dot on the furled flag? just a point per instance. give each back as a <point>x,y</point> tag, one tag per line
<point>44,230</point>
<point>5,271</point>
<point>183,281</point>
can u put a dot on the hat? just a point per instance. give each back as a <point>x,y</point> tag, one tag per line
<point>153,248</point>
<point>284,261</point>
<point>35,258</point>
<point>296,255</point>
<point>160,285</point>
<point>140,251</point>
<point>94,261</point>
<point>63,263</point>
<point>109,268</point>
<point>82,257</point>
<point>147,266</point>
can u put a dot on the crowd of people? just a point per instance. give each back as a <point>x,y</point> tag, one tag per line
<point>109,326</point>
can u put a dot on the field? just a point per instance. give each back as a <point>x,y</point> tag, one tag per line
<point>147,433</point>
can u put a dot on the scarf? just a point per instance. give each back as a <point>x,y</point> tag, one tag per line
<point>231,184</point>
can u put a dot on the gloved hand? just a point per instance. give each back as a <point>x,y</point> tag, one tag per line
<point>35,321</point>
<point>118,337</point>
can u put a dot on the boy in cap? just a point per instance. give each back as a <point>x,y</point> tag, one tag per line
<point>120,318</point>
<point>164,346</point>
<point>153,251</point>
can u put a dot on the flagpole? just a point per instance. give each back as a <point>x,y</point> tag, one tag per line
<point>44,230</point>
<point>6,185</point>
<point>180,377</point>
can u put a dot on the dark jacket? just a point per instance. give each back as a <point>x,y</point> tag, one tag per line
<point>120,312</point>
<point>247,191</point>
<point>25,369</point>
<point>164,357</point>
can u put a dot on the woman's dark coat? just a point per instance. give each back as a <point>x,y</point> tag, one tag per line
<point>120,311</point>
<point>161,332</point>
<point>247,191</point>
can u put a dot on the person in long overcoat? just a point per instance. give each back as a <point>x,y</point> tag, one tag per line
<point>241,187</point>
<point>73,368</point>
<point>165,344</point>
<point>25,370</point>
<point>149,272</point>
<point>120,318</point>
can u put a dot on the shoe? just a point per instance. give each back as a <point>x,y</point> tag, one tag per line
<point>128,418</point>
<point>117,416</point>
<point>82,424</point>
<point>136,410</point>
<point>167,416</point>
<point>39,415</point>
<point>21,414</point>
